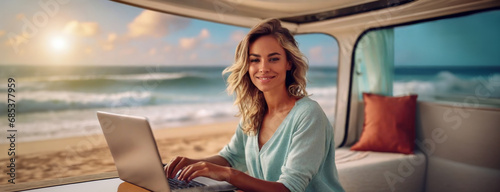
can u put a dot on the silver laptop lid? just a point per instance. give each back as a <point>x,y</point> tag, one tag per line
<point>134,150</point>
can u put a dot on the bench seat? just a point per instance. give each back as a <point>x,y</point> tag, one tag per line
<point>362,171</point>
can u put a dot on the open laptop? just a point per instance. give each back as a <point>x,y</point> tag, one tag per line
<point>137,159</point>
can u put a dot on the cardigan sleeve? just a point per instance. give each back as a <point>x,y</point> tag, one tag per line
<point>234,151</point>
<point>307,148</point>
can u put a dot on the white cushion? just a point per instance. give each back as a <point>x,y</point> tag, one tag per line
<point>376,171</point>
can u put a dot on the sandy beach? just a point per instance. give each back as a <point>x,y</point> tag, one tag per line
<point>68,157</point>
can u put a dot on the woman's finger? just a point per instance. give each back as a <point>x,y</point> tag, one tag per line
<point>191,169</point>
<point>203,169</point>
<point>196,173</point>
<point>170,166</point>
<point>174,166</point>
<point>179,165</point>
<point>185,171</point>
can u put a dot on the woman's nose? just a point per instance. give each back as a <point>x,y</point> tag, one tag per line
<point>264,66</point>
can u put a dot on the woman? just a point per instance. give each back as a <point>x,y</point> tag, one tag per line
<point>284,140</point>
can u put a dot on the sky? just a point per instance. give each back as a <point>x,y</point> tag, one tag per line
<point>470,40</point>
<point>79,32</point>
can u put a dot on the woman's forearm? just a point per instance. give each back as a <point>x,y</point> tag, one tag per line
<point>177,164</point>
<point>217,167</point>
<point>244,181</point>
<point>216,159</point>
<point>248,183</point>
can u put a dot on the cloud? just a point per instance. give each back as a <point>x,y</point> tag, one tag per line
<point>109,43</point>
<point>127,51</point>
<point>193,56</point>
<point>82,29</point>
<point>204,33</point>
<point>20,16</point>
<point>154,24</point>
<point>112,37</point>
<point>237,36</point>
<point>2,33</point>
<point>167,48</point>
<point>152,51</point>
<point>191,42</point>
<point>316,54</point>
<point>187,43</point>
<point>16,40</point>
<point>89,51</point>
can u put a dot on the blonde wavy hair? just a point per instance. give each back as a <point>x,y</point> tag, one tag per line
<point>249,99</point>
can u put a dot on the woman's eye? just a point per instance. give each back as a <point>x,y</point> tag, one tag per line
<point>274,59</point>
<point>254,60</point>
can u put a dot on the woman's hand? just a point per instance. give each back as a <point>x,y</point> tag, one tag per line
<point>217,168</point>
<point>205,169</point>
<point>177,164</point>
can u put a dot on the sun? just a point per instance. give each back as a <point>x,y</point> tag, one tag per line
<point>59,44</point>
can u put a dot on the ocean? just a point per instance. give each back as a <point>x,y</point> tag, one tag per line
<point>454,83</point>
<point>61,101</point>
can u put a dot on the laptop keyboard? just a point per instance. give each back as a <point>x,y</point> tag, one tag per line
<point>178,184</point>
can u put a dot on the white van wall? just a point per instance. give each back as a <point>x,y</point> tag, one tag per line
<point>462,145</point>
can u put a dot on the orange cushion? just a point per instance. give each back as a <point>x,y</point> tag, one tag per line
<point>389,124</point>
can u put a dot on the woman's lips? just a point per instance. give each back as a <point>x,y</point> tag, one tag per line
<point>265,79</point>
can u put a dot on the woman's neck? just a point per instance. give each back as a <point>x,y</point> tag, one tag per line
<point>279,102</point>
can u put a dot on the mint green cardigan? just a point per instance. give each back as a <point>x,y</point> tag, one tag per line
<point>300,154</point>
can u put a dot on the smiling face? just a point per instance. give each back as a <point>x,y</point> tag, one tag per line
<point>268,64</point>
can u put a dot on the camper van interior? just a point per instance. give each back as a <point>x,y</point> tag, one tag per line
<point>406,118</point>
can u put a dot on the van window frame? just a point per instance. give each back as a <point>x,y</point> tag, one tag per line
<point>358,39</point>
